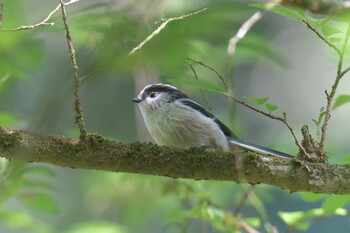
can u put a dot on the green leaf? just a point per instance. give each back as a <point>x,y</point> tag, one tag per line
<point>3,166</point>
<point>300,11</point>
<point>299,219</point>
<point>311,197</point>
<point>271,107</point>
<point>346,160</point>
<point>342,99</point>
<point>11,180</point>
<point>37,185</point>
<point>40,171</point>
<point>257,101</point>
<point>312,21</point>
<point>334,40</point>
<point>22,221</point>
<point>323,21</point>
<point>39,201</point>
<point>333,202</point>
<point>278,10</point>
<point>7,119</point>
<point>16,219</point>
<point>328,31</point>
<point>254,222</point>
<point>343,16</point>
<point>203,84</point>
<point>296,219</point>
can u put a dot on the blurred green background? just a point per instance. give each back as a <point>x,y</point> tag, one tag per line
<point>279,58</point>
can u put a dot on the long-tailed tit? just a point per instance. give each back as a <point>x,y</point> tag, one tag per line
<point>174,120</point>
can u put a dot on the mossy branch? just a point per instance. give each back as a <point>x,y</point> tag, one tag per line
<point>98,153</point>
<point>79,115</point>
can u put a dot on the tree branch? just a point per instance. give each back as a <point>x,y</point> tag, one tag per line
<point>79,119</point>
<point>331,95</point>
<point>281,119</point>
<point>161,27</point>
<point>44,22</point>
<point>321,36</point>
<point>101,154</point>
<point>319,6</point>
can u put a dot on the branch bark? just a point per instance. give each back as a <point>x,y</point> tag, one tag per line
<point>319,6</point>
<point>98,153</point>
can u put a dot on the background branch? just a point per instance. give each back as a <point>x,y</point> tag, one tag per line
<point>247,25</point>
<point>232,98</point>
<point>44,22</point>
<point>319,6</point>
<point>307,23</point>
<point>269,115</point>
<point>331,95</point>
<point>161,27</point>
<point>79,119</point>
<point>101,154</point>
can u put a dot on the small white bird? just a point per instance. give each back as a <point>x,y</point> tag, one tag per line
<point>174,120</point>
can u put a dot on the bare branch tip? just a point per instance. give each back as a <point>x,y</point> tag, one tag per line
<point>164,22</point>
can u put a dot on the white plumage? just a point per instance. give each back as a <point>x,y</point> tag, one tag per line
<point>173,119</point>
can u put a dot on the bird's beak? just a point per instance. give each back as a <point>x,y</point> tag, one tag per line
<point>136,100</point>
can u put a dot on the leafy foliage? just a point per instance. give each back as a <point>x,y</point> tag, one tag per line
<point>301,220</point>
<point>341,100</point>
<point>258,101</point>
<point>262,102</point>
<point>203,84</point>
<point>21,182</point>
<point>36,94</point>
<point>290,13</point>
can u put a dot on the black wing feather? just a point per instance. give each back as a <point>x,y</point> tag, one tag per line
<point>206,113</point>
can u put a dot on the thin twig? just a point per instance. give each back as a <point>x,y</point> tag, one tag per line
<point>77,104</point>
<point>161,27</point>
<point>239,221</point>
<point>246,26</point>
<point>345,71</point>
<point>281,119</point>
<point>341,57</point>
<point>244,199</point>
<point>212,69</point>
<point>43,22</point>
<point>321,36</point>
<point>331,95</point>
<point>193,70</point>
<point>196,77</point>
<point>246,226</point>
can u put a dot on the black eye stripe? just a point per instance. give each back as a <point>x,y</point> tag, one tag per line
<point>157,88</point>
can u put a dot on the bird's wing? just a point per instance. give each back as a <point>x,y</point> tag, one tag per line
<point>201,109</point>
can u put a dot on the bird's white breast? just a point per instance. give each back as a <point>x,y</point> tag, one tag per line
<point>176,125</point>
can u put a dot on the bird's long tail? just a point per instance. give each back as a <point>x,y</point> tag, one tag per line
<point>259,149</point>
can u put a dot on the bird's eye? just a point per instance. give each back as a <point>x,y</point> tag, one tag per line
<point>152,94</point>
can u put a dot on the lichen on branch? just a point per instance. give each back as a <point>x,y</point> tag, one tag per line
<point>98,153</point>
